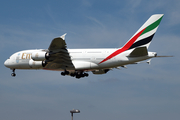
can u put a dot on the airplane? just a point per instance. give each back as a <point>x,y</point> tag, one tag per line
<point>77,62</point>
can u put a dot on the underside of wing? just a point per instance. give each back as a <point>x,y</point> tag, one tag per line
<point>59,58</point>
<point>57,44</point>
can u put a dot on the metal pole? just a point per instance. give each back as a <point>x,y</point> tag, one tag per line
<point>71,116</point>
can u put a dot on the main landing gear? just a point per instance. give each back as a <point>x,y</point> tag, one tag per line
<point>75,74</point>
<point>65,73</point>
<point>13,74</point>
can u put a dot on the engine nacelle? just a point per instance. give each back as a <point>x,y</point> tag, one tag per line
<point>103,71</point>
<point>39,56</point>
<point>37,64</point>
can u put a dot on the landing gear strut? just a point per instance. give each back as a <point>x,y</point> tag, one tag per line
<point>13,74</point>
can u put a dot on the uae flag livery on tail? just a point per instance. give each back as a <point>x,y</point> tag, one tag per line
<point>141,38</point>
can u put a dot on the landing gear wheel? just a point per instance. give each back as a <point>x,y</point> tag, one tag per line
<point>13,74</point>
<point>72,74</point>
<point>86,74</point>
<point>63,73</point>
<point>78,76</point>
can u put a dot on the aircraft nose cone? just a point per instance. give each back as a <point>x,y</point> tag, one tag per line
<point>6,63</point>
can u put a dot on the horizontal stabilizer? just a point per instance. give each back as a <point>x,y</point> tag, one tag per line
<point>138,52</point>
<point>164,56</point>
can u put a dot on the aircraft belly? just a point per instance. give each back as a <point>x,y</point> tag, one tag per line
<point>120,61</point>
<point>132,60</point>
<point>20,64</point>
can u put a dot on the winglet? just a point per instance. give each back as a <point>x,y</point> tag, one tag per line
<point>63,36</point>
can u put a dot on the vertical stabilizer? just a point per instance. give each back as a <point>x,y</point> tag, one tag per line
<point>145,34</point>
<point>142,38</point>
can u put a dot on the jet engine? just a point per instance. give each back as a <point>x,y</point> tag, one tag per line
<point>37,64</point>
<point>40,56</point>
<point>102,71</point>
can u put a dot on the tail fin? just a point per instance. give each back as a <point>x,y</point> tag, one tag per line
<point>145,34</point>
<point>142,38</point>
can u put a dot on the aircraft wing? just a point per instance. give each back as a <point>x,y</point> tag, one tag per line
<point>59,57</point>
<point>57,44</point>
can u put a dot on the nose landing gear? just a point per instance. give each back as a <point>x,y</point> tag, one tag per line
<point>13,74</point>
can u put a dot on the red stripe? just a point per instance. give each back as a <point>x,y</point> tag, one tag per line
<point>124,48</point>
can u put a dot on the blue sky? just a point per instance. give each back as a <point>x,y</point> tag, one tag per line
<point>139,92</point>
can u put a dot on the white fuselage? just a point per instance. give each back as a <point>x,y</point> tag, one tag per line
<point>82,59</point>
